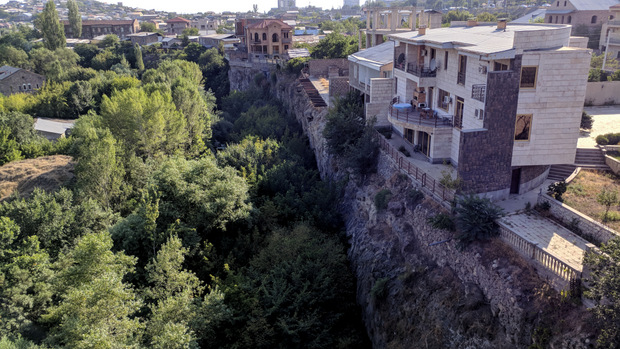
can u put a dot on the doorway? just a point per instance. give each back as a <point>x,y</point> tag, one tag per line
<point>409,135</point>
<point>424,141</point>
<point>515,182</point>
<point>430,97</point>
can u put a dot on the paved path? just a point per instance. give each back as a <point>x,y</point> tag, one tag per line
<point>323,90</point>
<point>549,236</point>
<point>606,120</point>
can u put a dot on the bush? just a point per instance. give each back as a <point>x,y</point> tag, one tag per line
<point>404,150</point>
<point>414,195</point>
<point>379,289</point>
<point>586,121</point>
<point>608,139</point>
<point>382,198</point>
<point>476,219</point>
<point>442,221</point>
<point>295,65</point>
<point>557,189</point>
<point>543,207</point>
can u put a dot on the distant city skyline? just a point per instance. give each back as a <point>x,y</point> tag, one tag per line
<point>190,6</point>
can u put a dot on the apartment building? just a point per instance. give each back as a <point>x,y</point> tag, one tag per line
<point>500,102</point>
<point>93,28</point>
<point>610,33</point>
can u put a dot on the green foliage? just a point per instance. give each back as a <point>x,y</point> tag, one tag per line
<point>486,17</point>
<point>362,157</point>
<point>215,72</point>
<point>190,32</point>
<point>476,219</point>
<point>607,198</point>
<point>382,198</point>
<point>110,40</point>
<point>75,19</point>
<point>345,124</point>
<point>252,157</point>
<point>48,24</point>
<point>414,196</point>
<point>13,56</point>
<point>9,149</point>
<point>404,150</point>
<point>442,221</point>
<point>557,189</point>
<point>450,183</point>
<point>604,288</point>
<point>608,139</point>
<point>596,75</point>
<point>148,27</point>
<point>586,121</point>
<point>379,289</point>
<point>335,45</point>
<point>295,65</point>
<point>597,61</point>
<point>456,15</point>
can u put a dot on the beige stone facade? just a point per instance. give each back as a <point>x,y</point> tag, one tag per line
<point>17,80</point>
<point>610,33</point>
<point>177,25</point>
<point>269,37</point>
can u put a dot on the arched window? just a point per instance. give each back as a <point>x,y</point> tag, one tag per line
<point>256,37</point>
<point>569,19</point>
<point>401,58</point>
<point>274,37</point>
<point>593,19</point>
<point>264,36</point>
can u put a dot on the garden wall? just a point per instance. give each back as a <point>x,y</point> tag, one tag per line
<point>565,213</point>
<point>613,164</point>
<point>603,93</point>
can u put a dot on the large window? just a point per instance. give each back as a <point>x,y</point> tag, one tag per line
<point>593,21</point>
<point>528,77</point>
<point>444,100</point>
<point>523,127</point>
<point>458,115</point>
<point>445,61</point>
<point>497,66</point>
<point>462,69</point>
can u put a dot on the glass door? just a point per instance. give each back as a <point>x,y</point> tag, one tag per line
<point>424,141</point>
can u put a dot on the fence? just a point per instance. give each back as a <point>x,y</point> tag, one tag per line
<point>429,183</point>
<point>560,269</point>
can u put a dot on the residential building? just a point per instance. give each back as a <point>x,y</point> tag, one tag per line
<point>370,73</point>
<point>610,33</point>
<point>350,3</point>
<point>214,40</point>
<point>177,25</point>
<point>145,38</point>
<point>204,24</point>
<point>53,129</point>
<point>500,103</point>
<point>17,80</point>
<point>91,29</point>
<point>381,21</point>
<point>268,38</point>
<point>286,4</point>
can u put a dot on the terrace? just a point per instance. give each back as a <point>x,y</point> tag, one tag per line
<point>406,114</point>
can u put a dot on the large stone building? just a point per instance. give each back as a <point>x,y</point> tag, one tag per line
<point>91,29</point>
<point>500,103</point>
<point>286,4</point>
<point>268,38</point>
<point>610,34</point>
<point>177,25</point>
<point>17,80</point>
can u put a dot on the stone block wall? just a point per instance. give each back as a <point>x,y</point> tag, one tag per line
<point>485,155</point>
<point>590,227</point>
<point>338,86</point>
<point>613,164</point>
<point>602,93</point>
<point>320,67</point>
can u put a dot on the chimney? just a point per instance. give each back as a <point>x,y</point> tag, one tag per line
<point>422,30</point>
<point>472,22</point>
<point>501,23</point>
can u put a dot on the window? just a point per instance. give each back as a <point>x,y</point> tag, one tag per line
<point>462,70</point>
<point>274,38</point>
<point>564,3</point>
<point>497,66</point>
<point>286,35</point>
<point>562,19</point>
<point>443,95</point>
<point>569,19</point>
<point>395,85</point>
<point>556,19</point>
<point>264,36</point>
<point>29,87</point>
<point>256,37</point>
<point>458,115</point>
<point>523,127</point>
<point>528,77</point>
<point>593,21</point>
<point>557,4</point>
<point>433,53</point>
<point>286,47</point>
<point>445,61</point>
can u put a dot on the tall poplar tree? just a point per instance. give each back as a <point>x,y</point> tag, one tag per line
<point>49,25</point>
<point>75,19</point>
<point>138,54</point>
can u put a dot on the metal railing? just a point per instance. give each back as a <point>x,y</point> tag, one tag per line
<point>418,117</point>
<point>614,22</point>
<point>428,183</point>
<point>400,66</point>
<point>421,71</point>
<point>531,250</point>
<point>479,92</point>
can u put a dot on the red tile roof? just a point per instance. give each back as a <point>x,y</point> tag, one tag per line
<point>267,22</point>
<point>178,20</point>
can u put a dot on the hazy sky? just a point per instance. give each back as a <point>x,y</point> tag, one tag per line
<point>187,6</point>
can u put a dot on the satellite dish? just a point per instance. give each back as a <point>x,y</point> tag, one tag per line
<point>433,64</point>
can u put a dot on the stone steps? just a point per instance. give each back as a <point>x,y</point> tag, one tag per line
<point>560,172</point>
<point>588,157</point>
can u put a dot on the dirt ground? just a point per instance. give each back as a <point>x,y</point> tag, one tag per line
<point>48,173</point>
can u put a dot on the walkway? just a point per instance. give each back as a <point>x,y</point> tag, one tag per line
<point>322,88</point>
<point>549,236</point>
<point>606,120</point>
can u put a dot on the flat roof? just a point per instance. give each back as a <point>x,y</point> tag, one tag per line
<point>376,56</point>
<point>480,39</point>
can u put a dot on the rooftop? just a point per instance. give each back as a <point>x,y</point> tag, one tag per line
<point>481,39</point>
<point>178,20</point>
<point>265,23</point>
<point>593,5</point>
<point>376,56</point>
<point>6,71</point>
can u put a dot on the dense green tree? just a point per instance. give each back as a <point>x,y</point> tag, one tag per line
<point>139,65</point>
<point>9,148</point>
<point>148,27</point>
<point>190,102</point>
<point>51,28</point>
<point>96,307</point>
<point>486,17</point>
<point>190,32</point>
<point>109,41</point>
<point>75,19</point>
<point>251,157</point>
<point>215,71</point>
<point>345,124</point>
<point>335,45</point>
<point>80,98</point>
<point>13,56</point>
<point>86,52</point>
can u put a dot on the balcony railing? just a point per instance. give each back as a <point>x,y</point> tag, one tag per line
<point>614,41</point>
<point>421,71</point>
<point>420,117</point>
<point>479,92</point>
<point>400,66</point>
<point>615,22</point>
<point>461,78</point>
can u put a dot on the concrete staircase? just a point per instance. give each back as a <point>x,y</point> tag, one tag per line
<point>560,172</point>
<point>591,158</point>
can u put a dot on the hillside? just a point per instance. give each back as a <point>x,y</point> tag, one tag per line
<point>48,173</point>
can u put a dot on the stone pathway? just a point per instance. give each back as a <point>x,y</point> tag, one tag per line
<point>323,90</point>
<point>606,120</point>
<point>549,236</point>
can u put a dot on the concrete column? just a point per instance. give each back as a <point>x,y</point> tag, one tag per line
<point>368,40</point>
<point>412,19</point>
<point>368,18</point>
<point>375,20</point>
<point>393,19</point>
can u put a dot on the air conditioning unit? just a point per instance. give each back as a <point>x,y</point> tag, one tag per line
<point>423,52</point>
<point>447,100</point>
<point>482,69</point>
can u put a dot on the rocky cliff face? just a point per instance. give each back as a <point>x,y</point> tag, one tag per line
<point>433,296</point>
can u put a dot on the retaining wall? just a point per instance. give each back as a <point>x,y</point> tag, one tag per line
<point>603,93</point>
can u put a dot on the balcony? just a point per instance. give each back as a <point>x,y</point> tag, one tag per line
<point>400,66</point>
<point>423,117</point>
<point>614,40</point>
<point>614,23</point>
<point>421,71</point>
<point>286,40</point>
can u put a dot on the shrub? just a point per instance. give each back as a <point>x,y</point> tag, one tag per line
<point>573,226</point>
<point>447,181</point>
<point>295,65</point>
<point>586,121</point>
<point>607,198</point>
<point>379,289</point>
<point>442,221</point>
<point>476,219</point>
<point>404,150</point>
<point>382,198</point>
<point>414,195</point>
<point>557,189</point>
<point>543,207</point>
<point>385,131</point>
<point>608,139</point>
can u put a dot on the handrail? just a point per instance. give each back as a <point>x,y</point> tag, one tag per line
<point>416,118</point>
<point>421,71</point>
